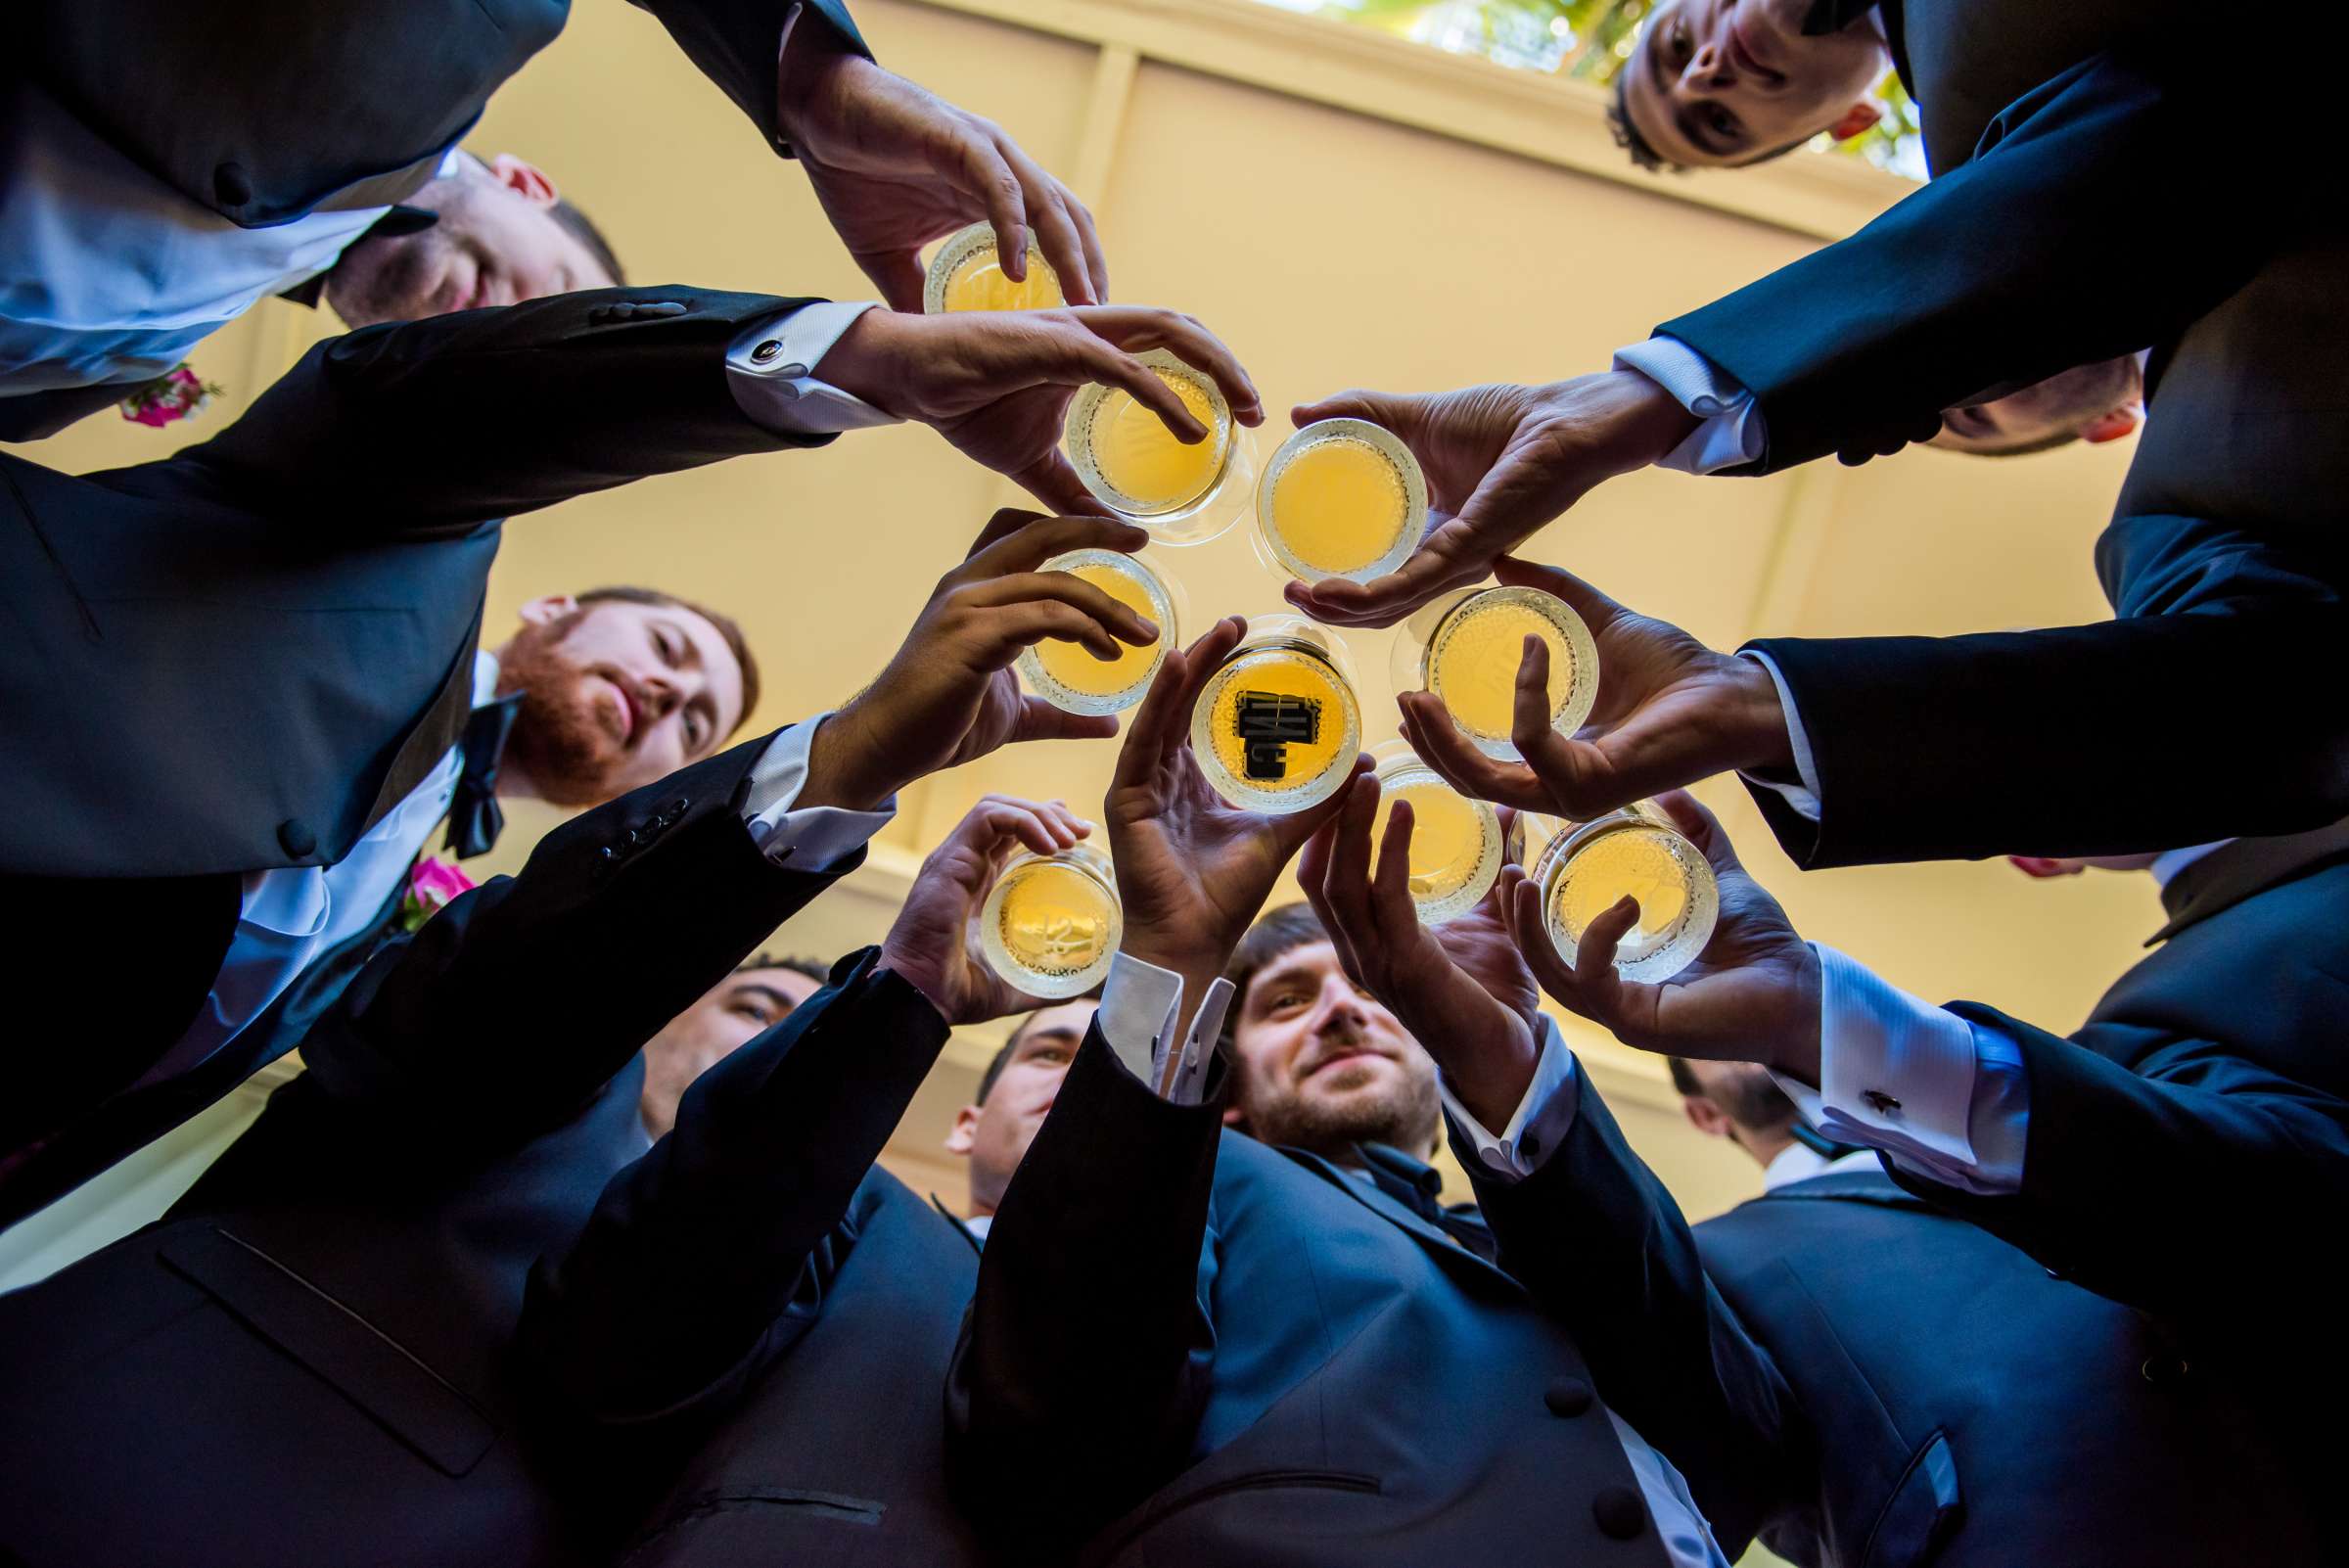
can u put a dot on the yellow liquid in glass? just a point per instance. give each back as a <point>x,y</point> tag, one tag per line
<point>978,283</point>
<point>1075,669</point>
<point>1450,837</point>
<point>1471,662</point>
<point>1055,921</point>
<point>1280,674</point>
<point>1339,504</point>
<point>1646,863</point>
<point>1140,457</point>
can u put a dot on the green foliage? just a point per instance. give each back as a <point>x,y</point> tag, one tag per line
<point>1586,40</point>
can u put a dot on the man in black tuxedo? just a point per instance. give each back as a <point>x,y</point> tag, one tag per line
<point>306,684</point>
<point>1840,1367</point>
<point>148,197</point>
<point>1221,1350</point>
<point>744,1346</point>
<point>305,1361</point>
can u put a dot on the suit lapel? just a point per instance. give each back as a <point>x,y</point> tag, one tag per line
<point>2233,872</point>
<point>1396,1212</point>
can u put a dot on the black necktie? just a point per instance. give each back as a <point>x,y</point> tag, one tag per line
<point>1834,16</point>
<point>473,819</point>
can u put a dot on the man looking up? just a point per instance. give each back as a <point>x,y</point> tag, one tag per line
<point>1227,1352</point>
<point>146,203</point>
<point>1839,1367</point>
<point>310,1358</point>
<point>756,997</point>
<point>1728,83</point>
<point>1015,1093</point>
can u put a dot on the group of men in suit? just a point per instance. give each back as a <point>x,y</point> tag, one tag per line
<point>636,1289</point>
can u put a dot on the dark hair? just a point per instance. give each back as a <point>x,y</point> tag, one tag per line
<point>581,228</point>
<point>1756,1102</point>
<point>727,629</point>
<point>1683,1077</point>
<point>1279,930</point>
<point>1002,1057</point>
<point>821,974</point>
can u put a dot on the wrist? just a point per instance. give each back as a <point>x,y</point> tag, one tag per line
<point>1795,1052</point>
<point>1493,1081</point>
<point>859,361</point>
<point>1757,717</point>
<point>809,66</point>
<point>844,767</point>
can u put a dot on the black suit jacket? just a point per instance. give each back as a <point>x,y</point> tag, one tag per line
<point>1858,1377</point>
<point>306,1361</point>
<point>241,656</point>
<point>2181,1142</point>
<point>745,1346</point>
<point>1189,1347</point>
<point>261,113</point>
<point>2191,717</point>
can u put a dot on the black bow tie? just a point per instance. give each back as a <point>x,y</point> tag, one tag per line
<point>1834,16</point>
<point>473,819</point>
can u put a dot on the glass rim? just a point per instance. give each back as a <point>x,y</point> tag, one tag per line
<point>958,247</point>
<point>1077,444</point>
<point>1378,439</point>
<point>1409,667</point>
<point>1237,791</point>
<point>1168,608</point>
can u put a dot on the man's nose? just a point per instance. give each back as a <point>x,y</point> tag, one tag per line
<point>1340,1007</point>
<point>1708,69</point>
<point>662,696</point>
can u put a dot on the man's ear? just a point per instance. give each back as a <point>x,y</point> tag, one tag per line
<point>963,1135</point>
<point>1706,1117</point>
<point>2110,427</point>
<point>1860,116</point>
<point>548,609</point>
<point>1233,1119</point>
<point>524,179</point>
<point>2040,865</point>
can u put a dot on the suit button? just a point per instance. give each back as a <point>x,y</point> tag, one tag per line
<point>231,186</point>
<point>295,837</point>
<point>1568,1396</point>
<point>2160,1369</point>
<point>1619,1513</point>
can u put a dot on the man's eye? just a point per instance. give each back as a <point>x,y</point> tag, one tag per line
<point>1055,1054</point>
<point>1681,47</point>
<point>1723,122</point>
<point>754,1012</point>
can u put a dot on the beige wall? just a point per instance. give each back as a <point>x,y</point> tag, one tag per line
<point>1330,247</point>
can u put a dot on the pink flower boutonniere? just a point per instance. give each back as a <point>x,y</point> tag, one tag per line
<point>170,397</point>
<point>433,884</point>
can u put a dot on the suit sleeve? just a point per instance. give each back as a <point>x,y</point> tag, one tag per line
<point>1602,1246</point>
<point>2027,260</point>
<point>2186,719</point>
<point>2170,1184</point>
<point>676,1295</point>
<point>1087,1351</point>
<point>438,426</point>
<point>527,993</point>
<point>735,43</point>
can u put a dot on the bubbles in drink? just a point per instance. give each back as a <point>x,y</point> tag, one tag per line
<point>1068,674</point>
<point>1455,841</point>
<point>967,275</point>
<point>1472,656</point>
<point>1586,872</point>
<point>1052,922</point>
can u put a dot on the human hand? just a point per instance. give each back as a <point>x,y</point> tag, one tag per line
<point>1500,461</point>
<point>949,696</point>
<point>896,166</point>
<point>1752,996</point>
<point>1461,988</point>
<point>998,384</point>
<point>930,946</point>
<point>1671,712</point>
<point>1193,869</point>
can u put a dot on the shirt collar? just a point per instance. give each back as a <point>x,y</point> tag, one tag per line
<point>2169,862</point>
<point>485,677</point>
<point>979,1225</point>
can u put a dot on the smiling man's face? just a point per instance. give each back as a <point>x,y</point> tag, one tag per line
<point>1323,1066</point>
<point>1717,83</point>
<point>498,240</point>
<point>615,695</point>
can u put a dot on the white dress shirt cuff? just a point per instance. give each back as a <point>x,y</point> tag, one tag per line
<point>1140,1003</point>
<point>1733,432</point>
<point>1541,1119</point>
<point>769,368</point>
<point>1803,797</point>
<point>1946,1100</point>
<point>817,839</point>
